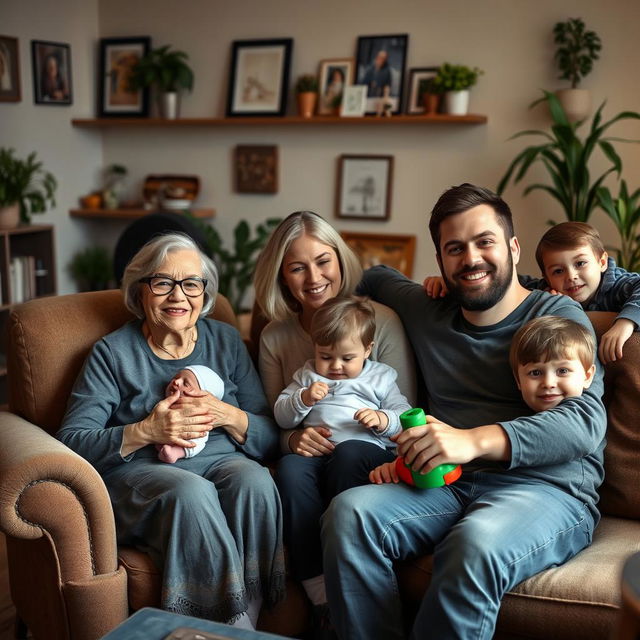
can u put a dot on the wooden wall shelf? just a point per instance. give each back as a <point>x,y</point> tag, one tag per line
<point>279,121</point>
<point>130,214</point>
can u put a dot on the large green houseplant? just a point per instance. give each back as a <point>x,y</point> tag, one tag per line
<point>236,265</point>
<point>168,73</point>
<point>25,184</point>
<point>92,269</point>
<point>567,158</point>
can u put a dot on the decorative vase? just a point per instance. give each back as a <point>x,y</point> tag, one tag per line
<point>10,216</point>
<point>170,105</point>
<point>575,102</point>
<point>431,103</point>
<point>307,103</point>
<point>456,103</point>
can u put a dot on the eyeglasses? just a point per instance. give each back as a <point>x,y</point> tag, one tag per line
<point>162,286</point>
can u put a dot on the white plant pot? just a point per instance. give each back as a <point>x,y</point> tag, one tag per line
<point>456,103</point>
<point>170,105</point>
<point>10,216</point>
<point>575,102</point>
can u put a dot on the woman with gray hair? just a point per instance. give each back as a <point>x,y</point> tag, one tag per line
<point>211,523</point>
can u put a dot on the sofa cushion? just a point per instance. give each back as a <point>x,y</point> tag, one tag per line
<point>579,599</point>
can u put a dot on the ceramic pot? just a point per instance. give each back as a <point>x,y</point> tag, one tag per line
<point>170,105</point>
<point>431,103</point>
<point>10,216</point>
<point>456,103</point>
<point>575,102</point>
<point>307,103</point>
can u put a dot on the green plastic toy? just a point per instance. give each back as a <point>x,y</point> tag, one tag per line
<point>438,477</point>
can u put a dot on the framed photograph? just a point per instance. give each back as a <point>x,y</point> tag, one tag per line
<point>51,63</point>
<point>259,77</point>
<point>416,75</point>
<point>334,76</point>
<point>256,168</point>
<point>9,70</point>
<point>380,65</point>
<point>117,58</point>
<point>364,187</point>
<point>395,251</point>
<point>354,101</point>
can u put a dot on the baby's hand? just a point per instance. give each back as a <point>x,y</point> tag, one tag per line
<point>384,474</point>
<point>613,340</point>
<point>314,393</point>
<point>372,419</point>
<point>435,287</point>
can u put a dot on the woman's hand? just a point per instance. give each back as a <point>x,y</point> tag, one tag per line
<point>168,424</point>
<point>311,442</point>
<point>222,415</point>
<point>385,473</point>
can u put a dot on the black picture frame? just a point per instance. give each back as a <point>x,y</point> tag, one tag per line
<point>9,69</point>
<point>416,74</point>
<point>115,61</point>
<point>377,76</point>
<point>259,77</point>
<point>51,64</point>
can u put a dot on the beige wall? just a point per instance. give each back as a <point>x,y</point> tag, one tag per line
<point>510,39</point>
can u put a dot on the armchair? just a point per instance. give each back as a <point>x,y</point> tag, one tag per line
<point>68,578</point>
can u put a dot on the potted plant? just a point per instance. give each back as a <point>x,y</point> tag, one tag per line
<point>114,177</point>
<point>567,159</point>
<point>25,188</point>
<point>429,94</point>
<point>625,213</point>
<point>577,50</point>
<point>92,269</point>
<point>307,94</point>
<point>455,80</point>
<point>167,72</point>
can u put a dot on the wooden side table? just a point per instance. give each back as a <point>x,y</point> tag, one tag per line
<point>629,621</point>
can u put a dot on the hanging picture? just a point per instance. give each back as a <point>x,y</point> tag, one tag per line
<point>9,70</point>
<point>259,77</point>
<point>364,187</point>
<point>395,251</point>
<point>354,101</point>
<point>117,58</point>
<point>335,75</point>
<point>417,76</point>
<point>380,65</point>
<point>51,62</point>
<point>256,169</point>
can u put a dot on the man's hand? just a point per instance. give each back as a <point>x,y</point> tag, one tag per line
<point>372,419</point>
<point>314,393</point>
<point>613,340</point>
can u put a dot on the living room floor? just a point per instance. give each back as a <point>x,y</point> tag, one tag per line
<point>7,612</point>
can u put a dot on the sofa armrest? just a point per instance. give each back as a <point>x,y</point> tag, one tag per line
<point>47,489</point>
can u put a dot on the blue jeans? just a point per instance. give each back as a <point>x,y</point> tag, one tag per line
<point>487,531</point>
<point>306,486</point>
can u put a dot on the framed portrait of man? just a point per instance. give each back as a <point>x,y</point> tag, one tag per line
<point>9,70</point>
<point>380,62</point>
<point>51,72</point>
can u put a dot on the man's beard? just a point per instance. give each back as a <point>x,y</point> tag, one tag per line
<point>484,298</point>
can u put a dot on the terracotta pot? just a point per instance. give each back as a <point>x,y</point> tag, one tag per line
<point>307,103</point>
<point>10,216</point>
<point>575,102</point>
<point>431,103</point>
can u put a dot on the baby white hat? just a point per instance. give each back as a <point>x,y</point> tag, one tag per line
<point>208,379</point>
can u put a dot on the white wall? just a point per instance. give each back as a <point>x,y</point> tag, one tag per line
<point>511,41</point>
<point>72,157</point>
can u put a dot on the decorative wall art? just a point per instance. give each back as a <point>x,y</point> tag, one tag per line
<point>256,169</point>
<point>117,58</point>
<point>259,77</point>
<point>414,104</point>
<point>364,187</point>
<point>354,101</point>
<point>51,63</point>
<point>334,76</point>
<point>395,251</point>
<point>380,65</point>
<point>9,70</point>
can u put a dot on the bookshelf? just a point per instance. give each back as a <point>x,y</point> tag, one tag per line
<point>38,275</point>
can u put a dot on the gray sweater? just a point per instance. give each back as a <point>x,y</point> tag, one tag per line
<point>469,383</point>
<point>122,380</point>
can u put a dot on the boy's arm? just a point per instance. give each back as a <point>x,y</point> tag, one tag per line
<point>531,283</point>
<point>623,295</point>
<point>289,409</point>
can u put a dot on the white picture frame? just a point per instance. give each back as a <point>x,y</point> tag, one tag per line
<point>354,101</point>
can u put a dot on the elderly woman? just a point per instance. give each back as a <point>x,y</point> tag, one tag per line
<point>212,522</point>
<point>305,263</point>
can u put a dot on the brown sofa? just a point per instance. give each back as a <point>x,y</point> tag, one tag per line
<point>69,581</point>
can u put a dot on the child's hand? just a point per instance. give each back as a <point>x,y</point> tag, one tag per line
<point>314,393</point>
<point>435,287</point>
<point>372,419</point>
<point>613,340</point>
<point>384,474</point>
